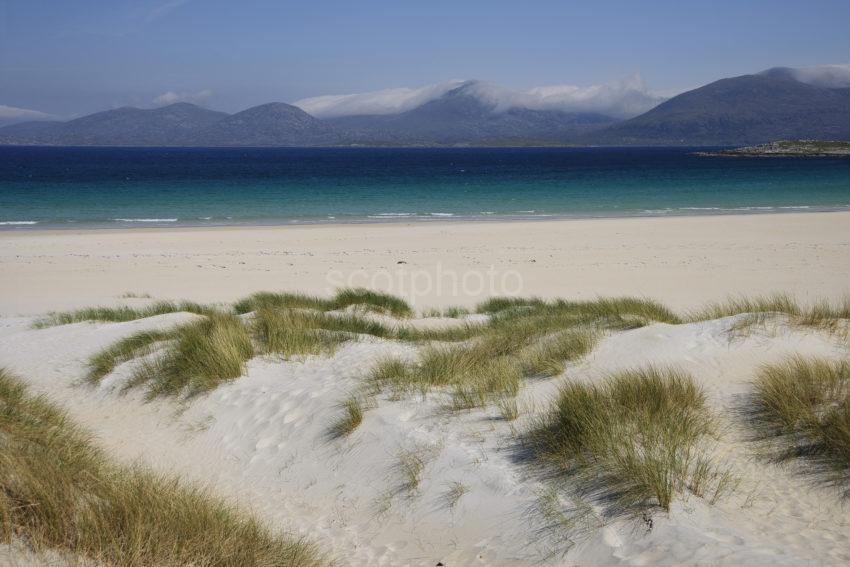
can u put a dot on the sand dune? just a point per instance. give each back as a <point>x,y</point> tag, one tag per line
<point>261,440</point>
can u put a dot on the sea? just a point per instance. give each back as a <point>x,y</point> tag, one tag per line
<point>49,187</point>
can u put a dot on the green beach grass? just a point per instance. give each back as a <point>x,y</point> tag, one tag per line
<point>802,405</point>
<point>480,362</point>
<point>523,338</point>
<point>350,418</point>
<point>120,314</point>
<point>364,299</point>
<point>821,313</point>
<point>60,493</point>
<point>634,442</point>
<point>199,356</point>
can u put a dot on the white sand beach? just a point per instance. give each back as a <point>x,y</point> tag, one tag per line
<point>261,440</point>
<point>683,261</point>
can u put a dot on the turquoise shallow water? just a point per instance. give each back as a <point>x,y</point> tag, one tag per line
<point>115,187</point>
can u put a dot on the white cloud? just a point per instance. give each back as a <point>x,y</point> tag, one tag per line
<point>627,97</point>
<point>10,114</point>
<point>624,98</point>
<point>829,76</point>
<point>172,97</point>
<point>388,101</point>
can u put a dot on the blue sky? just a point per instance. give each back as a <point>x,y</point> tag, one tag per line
<point>77,56</point>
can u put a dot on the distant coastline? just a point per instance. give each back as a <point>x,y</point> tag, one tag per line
<point>787,148</point>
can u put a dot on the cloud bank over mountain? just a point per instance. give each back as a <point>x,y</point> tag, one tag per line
<point>387,101</point>
<point>622,99</point>
<point>170,97</point>
<point>827,76</point>
<point>13,114</point>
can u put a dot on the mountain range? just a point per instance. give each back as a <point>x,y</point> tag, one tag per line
<point>749,109</point>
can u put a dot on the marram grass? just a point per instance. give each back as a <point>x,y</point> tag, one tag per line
<point>287,332</point>
<point>200,356</point>
<point>549,356</point>
<point>120,314</point>
<point>366,299</point>
<point>635,441</point>
<point>803,404</point>
<point>479,361</point>
<point>523,338</point>
<point>776,303</point>
<point>61,494</point>
<point>615,311</point>
<point>350,418</point>
<point>372,300</point>
<point>823,313</point>
<point>487,368</point>
<point>128,348</point>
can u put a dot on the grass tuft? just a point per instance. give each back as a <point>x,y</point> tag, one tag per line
<point>508,408</point>
<point>452,312</point>
<point>497,304</point>
<point>411,463</point>
<point>134,346</point>
<point>776,303</point>
<point>288,333</point>
<point>549,357</point>
<point>803,404</point>
<point>267,299</point>
<point>448,333</point>
<point>482,383</point>
<point>367,299</point>
<point>455,492</point>
<point>826,314</point>
<point>634,441</point>
<point>59,493</point>
<point>823,314</point>
<point>372,301</point>
<point>350,419</point>
<point>615,312</point>
<point>201,355</point>
<point>120,314</point>
<point>487,368</point>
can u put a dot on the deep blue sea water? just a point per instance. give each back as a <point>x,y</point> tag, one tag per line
<point>114,187</point>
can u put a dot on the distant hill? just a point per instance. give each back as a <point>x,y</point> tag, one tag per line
<point>272,124</point>
<point>127,126</point>
<point>31,132</point>
<point>180,124</point>
<point>750,109</point>
<point>461,117</point>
